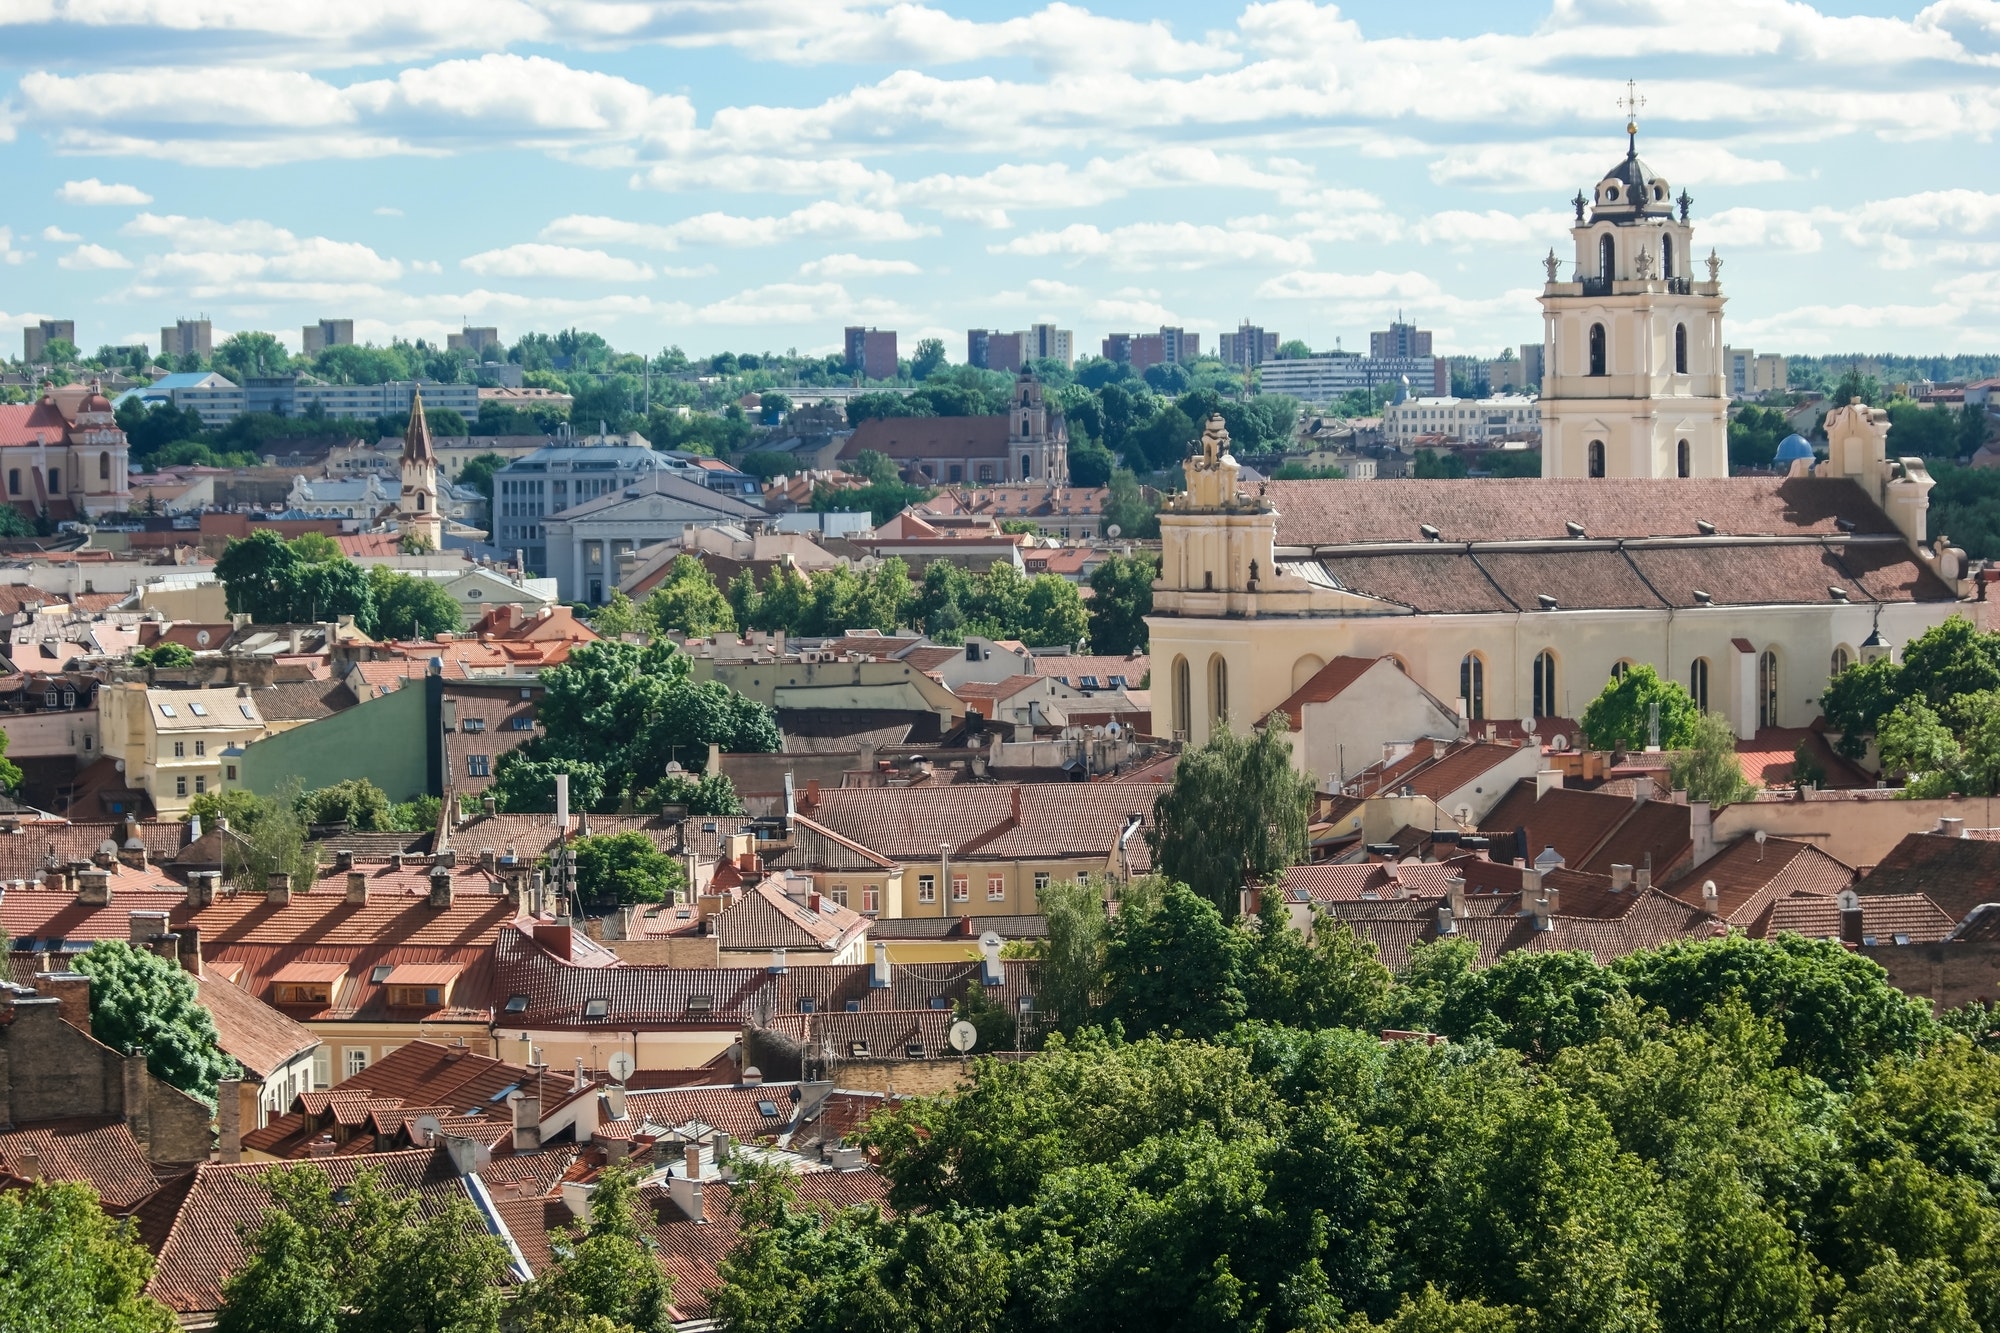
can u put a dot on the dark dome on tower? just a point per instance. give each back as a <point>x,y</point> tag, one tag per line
<point>1632,190</point>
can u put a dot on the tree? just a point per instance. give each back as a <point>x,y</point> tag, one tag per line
<point>1333,980</point>
<point>1090,463</point>
<point>1620,717</point>
<point>1917,746</point>
<point>357,803</point>
<point>602,1270</point>
<point>240,806</point>
<point>10,772</point>
<point>1121,597</point>
<point>928,360</point>
<point>772,406</point>
<point>168,656</point>
<point>1071,976</point>
<point>1235,814</point>
<point>1429,464</point>
<point>1858,699</point>
<point>258,573</point>
<point>363,1259</point>
<point>1127,509</point>
<point>702,794</point>
<point>142,1002</point>
<point>625,868</point>
<point>1052,613</point>
<point>877,468</point>
<point>409,607</point>
<point>65,1264</point>
<point>268,838</point>
<point>1708,769</point>
<point>250,354</point>
<point>687,601</point>
<point>617,617</point>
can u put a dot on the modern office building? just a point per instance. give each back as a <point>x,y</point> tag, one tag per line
<point>568,472</point>
<point>1323,378</point>
<point>36,337</point>
<point>1400,339</point>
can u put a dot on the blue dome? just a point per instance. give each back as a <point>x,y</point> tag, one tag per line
<point>1794,446</point>
<point>1402,390</point>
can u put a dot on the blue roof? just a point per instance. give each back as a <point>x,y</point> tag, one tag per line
<point>185,379</point>
<point>1794,446</point>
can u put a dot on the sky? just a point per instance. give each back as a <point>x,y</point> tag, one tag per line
<point>754,175</point>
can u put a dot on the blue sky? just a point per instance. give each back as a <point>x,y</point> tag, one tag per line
<point>755,174</point>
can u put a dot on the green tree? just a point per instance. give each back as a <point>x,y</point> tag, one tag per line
<point>1235,814</point>
<point>1052,614</point>
<point>625,868</point>
<point>167,656</point>
<point>240,806</point>
<point>877,468</point>
<point>410,607</point>
<point>1429,464</point>
<point>267,837</point>
<point>702,794</point>
<point>1071,974</point>
<point>1708,769</point>
<point>1127,509</point>
<point>258,574</point>
<point>477,474</point>
<point>10,772</point>
<point>1332,980</point>
<point>1858,699</point>
<point>618,616</point>
<point>929,358</point>
<point>65,1264</point>
<point>602,1270</point>
<point>357,803</point>
<point>1619,718</point>
<point>1090,463</point>
<point>687,601</point>
<point>1121,597</point>
<point>243,355</point>
<point>1170,967</point>
<point>142,1002</point>
<point>1918,747</point>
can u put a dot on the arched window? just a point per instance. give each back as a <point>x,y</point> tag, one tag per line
<point>1545,684</point>
<point>1596,454</point>
<point>1597,359</point>
<point>104,467</point>
<point>1027,467</point>
<point>421,502</point>
<point>1218,689</point>
<point>1607,257</point>
<point>1183,700</point>
<point>1767,688</point>
<point>1620,667</point>
<point>1024,397</point>
<point>1472,685</point>
<point>1680,349</point>
<point>1698,683</point>
<point>1024,425</point>
<point>1685,460</point>
<point>1842,659</point>
<point>1666,256</point>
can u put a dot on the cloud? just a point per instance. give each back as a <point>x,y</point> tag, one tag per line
<point>825,220</point>
<point>1377,286</point>
<point>855,266</point>
<point>1160,245</point>
<point>793,303</point>
<point>95,191</point>
<point>214,260</point>
<point>533,260</point>
<point>9,252</point>
<point>1466,230</point>
<point>57,234</point>
<point>385,211</point>
<point>90,257</point>
<point>1761,229</point>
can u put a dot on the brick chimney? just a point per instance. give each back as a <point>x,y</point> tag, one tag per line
<point>440,886</point>
<point>527,1121</point>
<point>278,888</point>
<point>93,887</point>
<point>202,885</point>
<point>344,859</point>
<point>134,857</point>
<point>229,1120</point>
<point>357,886</point>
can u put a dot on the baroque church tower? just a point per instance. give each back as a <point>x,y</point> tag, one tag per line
<point>417,511</point>
<point>1633,385</point>
<point>1040,445</point>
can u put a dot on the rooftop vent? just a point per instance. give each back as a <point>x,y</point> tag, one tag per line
<point>1703,597</point>
<point>1845,524</point>
<point>1575,528</point>
<point>1548,603</point>
<point>1431,534</point>
<point>1704,527</point>
<point>1839,594</point>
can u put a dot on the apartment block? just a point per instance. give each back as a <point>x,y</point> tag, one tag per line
<point>1534,364</point>
<point>327,333</point>
<point>1046,342</point>
<point>1750,375</point>
<point>871,353</point>
<point>1249,346</point>
<point>186,337</point>
<point>471,339</point>
<point>1400,339</point>
<point>37,337</point>
<point>1142,351</point>
<point>990,349</point>
<point>1324,378</point>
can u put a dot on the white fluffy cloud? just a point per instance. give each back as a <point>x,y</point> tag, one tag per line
<point>856,266</point>
<point>826,220</point>
<point>95,191</point>
<point>58,235</point>
<point>1159,245</point>
<point>86,258</point>
<point>9,252</point>
<point>533,260</point>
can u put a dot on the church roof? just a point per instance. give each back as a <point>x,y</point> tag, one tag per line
<point>1794,446</point>
<point>417,437</point>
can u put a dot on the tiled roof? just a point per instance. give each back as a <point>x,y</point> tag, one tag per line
<point>1327,683</point>
<point>881,1034</point>
<point>1884,917</point>
<point>1768,758</point>
<point>252,1033</point>
<point>1072,670</point>
<point>99,1151</point>
<point>203,710</point>
<point>1603,925</point>
<point>1749,877</point>
<point>767,917</point>
<point>1593,830</point>
<point>303,700</point>
<point>1958,874</point>
<point>732,1108</point>
<point>37,917</point>
<point>25,854</point>
<point>967,928</point>
<point>1058,820</point>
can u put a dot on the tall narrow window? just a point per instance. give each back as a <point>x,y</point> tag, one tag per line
<point>1596,455</point>
<point>13,481</point>
<point>1680,349</point>
<point>1607,257</point>
<point>1027,467</point>
<point>104,467</point>
<point>1666,256</point>
<point>1218,689</point>
<point>1767,688</point>
<point>1545,684</point>
<point>55,481</point>
<point>1698,683</point>
<point>1684,458</point>
<point>1597,360</point>
<point>1841,659</point>
<point>1183,701</point>
<point>1472,686</point>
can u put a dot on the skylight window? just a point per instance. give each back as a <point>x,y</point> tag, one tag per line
<point>517,1004</point>
<point>381,973</point>
<point>199,710</point>
<point>596,1008</point>
<point>701,1004</point>
<point>246,712</point>
<point>167,710</point>
<point>768,1109</point>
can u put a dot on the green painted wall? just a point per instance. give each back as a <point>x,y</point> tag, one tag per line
<point>388,740</point>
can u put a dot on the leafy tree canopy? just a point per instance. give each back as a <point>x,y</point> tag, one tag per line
<point>1620,717</point>
<point>1234,815</point>
<point>142,1002</point>
<point>625,868</point>
<point>65,1264</point>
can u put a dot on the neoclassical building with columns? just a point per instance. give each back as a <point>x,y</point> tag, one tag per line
<point>1520,598</point>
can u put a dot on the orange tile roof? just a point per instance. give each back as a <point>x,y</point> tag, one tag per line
<point>1327,683</point>
<point>252,1033</point>
<point>98,1151</point>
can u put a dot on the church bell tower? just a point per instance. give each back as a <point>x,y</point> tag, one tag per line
<point>1634,380</point>
<point>417,510</point>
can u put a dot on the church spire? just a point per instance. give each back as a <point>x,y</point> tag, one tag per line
<point>417,437</point>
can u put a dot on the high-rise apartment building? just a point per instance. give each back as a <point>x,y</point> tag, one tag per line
<point>36,338</point>
<point>871,353</point>
<point>472,339</point>
<point>1249,346</point>
<point>1749,375</point>
<point>1142,351</point>
<point>990,349</point>
<point>327,333</point>
<point>186,337</point>
<point>1400,339</point>
<point>1534,364</point>
<point>1042,342</point>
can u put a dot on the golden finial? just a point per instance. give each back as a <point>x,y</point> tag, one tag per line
<point>1630,104</point>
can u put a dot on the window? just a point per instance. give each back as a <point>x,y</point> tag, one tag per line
<point>1767,688</point>
<point>1472,685</point>
<point>322,1076</point>
<point>13,481</point>
<point>199,710</point>
<point>808,1005</point>
<point>55,481</point>
<point>245,710</point>
<point>996,888</point>
<point>1841,660</point>
<point>597,1008</point>
<point>1620,668</point>
<point>180,749</point>
<point>1545,684</point>
<point>1041,881</point>
<point>200,784</point>
<point>473,724</point>
<point>1684,459</point>
<point>961,889</point>
<point>1680,349</point>
<point>926,888</point>
<point>1607,257</point>
<point>1666,256</point>
<point>767,1108</point>
<point>201,747</point>
<point>357,1060</point>
<point>522,722</point>
<point>478,766</point>
<point>871,898</point>
<point>1597,361</point>
<point>167,710</point>
<point>1218,689</point>
<point>380,973</point>
<point>1595,455</point>
<point>1698,683</point>
<point>228,771</point>
<point>180,786</point>
<point>416,997</point>
<point>1183,705</point>
<point>304,993</point>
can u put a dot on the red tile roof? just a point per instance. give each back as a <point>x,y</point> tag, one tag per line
<point>1748,877</point>
<point>100,1152</point>
<point>1058,821</point>
<point>1328,683</point>
<point>252,1033</point>
<point>1593,831</point>
<point>1958,874</point>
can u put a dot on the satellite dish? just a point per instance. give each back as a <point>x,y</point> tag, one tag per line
<point>964,1036</point>
<point>201,638</point>
<point>621,1064</point>
<point>1558,742</point>
<point>1760,836</point>
<point>1114,532</point>
<point>1528,725</point>
<point>107,848</point>
<point>990,940</point>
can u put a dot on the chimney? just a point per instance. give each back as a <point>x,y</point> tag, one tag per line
<point>1951,828</point>
<point>1642,878</point>
<point>489,860</point>
<point>142,928</point>
<point>202,887</point>
<point>29,1165</point>
<point>1621,878</point>
<point>527,1122</point>
<point>343,859</point>
<point>134,857</point>
<point>488,805</point>
<point>1852,930</point>
<point>229,1120</point>
<point>278,888</point>
<point>1454,893</point>
<point>691,1160</point>
<point>1701,826</point>
<point>812,903</point>
<point>989,960</point>
<point>685,1190</point>
<point>1017,805</point>
<point>440,886</point>
<point>554,938</point>
<point>357,886</point>
<point>467,1154</point>
<point>777,962</point>
<point>1642,787</point>
<point>190,950</point>
<point>1547,780</point>
<point>93,887</point>
<point>753,1077</point>
<point>1447,922</point>
<point>395,860</point>
<point>1711,899</point>
<point>576,1197</point>
<point>879,977</point>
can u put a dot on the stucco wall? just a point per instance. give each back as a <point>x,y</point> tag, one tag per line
<point>386,740</point>
<point>1859,832</point>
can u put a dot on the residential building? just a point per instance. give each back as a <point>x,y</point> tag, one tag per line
<point>1047,342</point>
<point>516,396</point>
<point>1345,714</point>
<point>1749,591</point>
<point>1534,365</point>
<point>1142,351</point>
<point>1249,346</point>
<point>275,1056</point>
<point>1635,385</point>
<point>1029,442</point>
<point>326,333</point>
<point>1505,416</point>
<point>560,475</point>
<point>1400,339</point>
<point>585,542</point>
<point>1324,377</point>
<point>473,339</point>
<point>871,353</point>
<point>1070,513</point>
<point>218,399</point>
<point>296,395</point>
<point>1749,375</point>
<point>171,742</point>
<point>484,719</point>
<point>990,349</point>
<point>38,336</point>
<point>63,456</point>
<point>186,337</point>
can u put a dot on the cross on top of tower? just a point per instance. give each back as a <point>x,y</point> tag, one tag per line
<point>1630,104</point>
